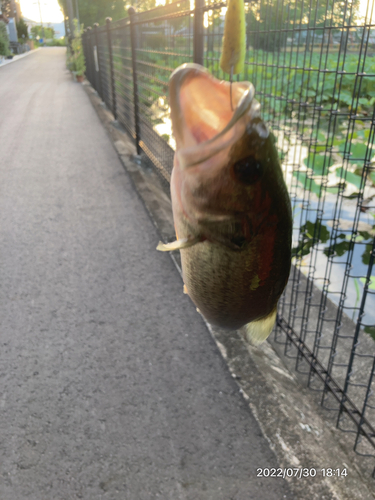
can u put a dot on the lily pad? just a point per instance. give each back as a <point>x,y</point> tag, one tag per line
<point>318,163</point>
<point>308,183</point>
<point>371,285</point>
<point>350,177</point>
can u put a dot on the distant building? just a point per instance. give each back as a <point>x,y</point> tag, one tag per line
<point>12,30</point>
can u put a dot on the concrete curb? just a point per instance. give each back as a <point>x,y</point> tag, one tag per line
<point>18,57</point>
<point>294,424</point>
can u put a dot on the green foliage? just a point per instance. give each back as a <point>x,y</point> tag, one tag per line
<point>6,7</point>
<point>308,183</point>
<point>75,55</point>
<point>370,330</point>
<point>42,32</point>
<point>142,5</point>
<point>371,284</point>
<point>22,30</point>
<point>350,177</point>
<point>338,248</point>
<point>96,11</point>
<point>265,21</point>
<point>57,42</point>
<point>268,22</point>
<point>367,254</point>
<point>319,163</point>
<point>315,233</point>
<point>4,40</point>
<point>155,40</point>
<point>311,234</point>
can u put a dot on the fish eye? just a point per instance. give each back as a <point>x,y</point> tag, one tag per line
<point>248,170</point>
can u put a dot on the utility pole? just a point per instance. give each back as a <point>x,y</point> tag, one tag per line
<point>41,21</point>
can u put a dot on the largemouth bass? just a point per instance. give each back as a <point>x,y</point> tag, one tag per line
<point>231,208</point>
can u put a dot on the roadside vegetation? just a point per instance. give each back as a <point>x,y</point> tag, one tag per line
<point>75,59</point>
<point>4,40</point>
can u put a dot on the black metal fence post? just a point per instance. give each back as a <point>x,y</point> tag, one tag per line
<point>198,31</point>
<point>85,45</point>
<point>114,106</point>
<point>90,56</point>
<point>98,72</point>
<point>133,41</point>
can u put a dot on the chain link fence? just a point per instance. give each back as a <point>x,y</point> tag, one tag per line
<point>313,68</point>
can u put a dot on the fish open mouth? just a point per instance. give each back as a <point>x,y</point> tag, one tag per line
<point>206,115</point>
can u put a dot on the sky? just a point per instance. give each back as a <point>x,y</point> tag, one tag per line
<point>50,10</point>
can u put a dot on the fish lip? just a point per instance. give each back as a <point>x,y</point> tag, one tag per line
<point>192,155</point>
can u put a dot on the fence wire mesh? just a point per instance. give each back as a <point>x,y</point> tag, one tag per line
<point>313,68</point>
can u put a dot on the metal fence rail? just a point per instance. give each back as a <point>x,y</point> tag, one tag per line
<point>313,68</point>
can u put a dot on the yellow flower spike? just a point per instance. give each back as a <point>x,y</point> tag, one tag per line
<point>234,40</point>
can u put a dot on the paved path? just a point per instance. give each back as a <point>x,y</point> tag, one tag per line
<point>110,385</point>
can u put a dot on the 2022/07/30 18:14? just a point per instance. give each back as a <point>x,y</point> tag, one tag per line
<point>301,472</point>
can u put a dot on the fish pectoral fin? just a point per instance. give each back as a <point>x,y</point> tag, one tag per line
<point>178,244</point>
<point>257,332</point>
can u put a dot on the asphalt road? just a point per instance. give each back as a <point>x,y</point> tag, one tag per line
<point>110,384</point>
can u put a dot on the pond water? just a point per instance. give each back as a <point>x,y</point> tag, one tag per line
<point>312,213</point>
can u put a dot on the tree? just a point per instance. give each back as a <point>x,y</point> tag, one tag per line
<point>22,31</point>
<point>142,5</point>
<point>6,8</point>
<point>42,32</point>
<point>264,23</point>
<point>270,25</point>
<point>96,11</point>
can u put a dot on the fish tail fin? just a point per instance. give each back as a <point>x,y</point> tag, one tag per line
<point>257,332</point>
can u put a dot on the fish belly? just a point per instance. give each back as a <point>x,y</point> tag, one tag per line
<point>224,285</point>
